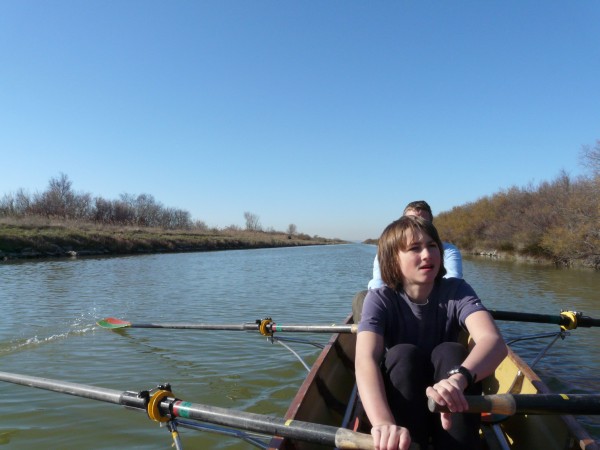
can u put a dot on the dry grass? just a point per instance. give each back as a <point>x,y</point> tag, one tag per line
<point>42,237</point>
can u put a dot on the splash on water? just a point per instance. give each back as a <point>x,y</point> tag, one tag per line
<point>79,327</point>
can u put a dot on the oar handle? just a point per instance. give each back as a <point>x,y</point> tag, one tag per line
<point>347,439</point>
<point>496,404</point>
<point>510,404</point>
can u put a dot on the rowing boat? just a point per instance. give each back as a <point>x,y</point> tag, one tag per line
<point>328,395</point>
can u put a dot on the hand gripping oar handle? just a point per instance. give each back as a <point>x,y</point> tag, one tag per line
<point>510,404</point>
<point>171,407</point>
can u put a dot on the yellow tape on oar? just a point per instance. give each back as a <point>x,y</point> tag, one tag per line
<point>571,316</point>
<point>153,408</point>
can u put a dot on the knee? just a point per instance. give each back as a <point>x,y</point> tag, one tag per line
<point>450,351</point>
<point>407,371</point>
<point>405,358</point>
<point>447,355</point>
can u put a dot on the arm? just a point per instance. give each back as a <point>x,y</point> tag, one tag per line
<point>386,434</point>
<point>487,353</point>
<point>376,281</point>
<point>452,261</point>
<point>489,349</point>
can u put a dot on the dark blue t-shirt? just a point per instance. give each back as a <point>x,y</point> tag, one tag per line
<point>392,315</point>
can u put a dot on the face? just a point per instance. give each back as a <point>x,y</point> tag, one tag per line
<point>420,262</point>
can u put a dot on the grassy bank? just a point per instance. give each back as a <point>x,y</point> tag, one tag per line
<point>50,239</point>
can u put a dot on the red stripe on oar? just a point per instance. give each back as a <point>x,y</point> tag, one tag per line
<point>181,409</point>
<point>111,322</point>
<point>114,321</point>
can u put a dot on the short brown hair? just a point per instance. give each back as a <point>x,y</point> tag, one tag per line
<point>394,239</point>
<point>419,205</point>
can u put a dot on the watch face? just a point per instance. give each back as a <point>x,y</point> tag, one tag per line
<point>453,371</point>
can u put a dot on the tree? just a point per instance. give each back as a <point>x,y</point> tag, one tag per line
<point>590,158</point>
<point>252,221</point>
<point>148,211</point>
<point>58,199</point>
<point>291,229</point>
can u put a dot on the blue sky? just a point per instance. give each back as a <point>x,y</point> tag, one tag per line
<point>330,115</point>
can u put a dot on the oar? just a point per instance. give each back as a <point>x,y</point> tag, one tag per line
<point>161,406</point>
<point>568,320</point>
<point>265,326</point>
<point>510,404</point>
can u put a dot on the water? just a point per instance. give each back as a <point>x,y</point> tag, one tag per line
<point>47,329</point>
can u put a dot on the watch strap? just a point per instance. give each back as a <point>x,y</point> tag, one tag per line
<point>471,379</point>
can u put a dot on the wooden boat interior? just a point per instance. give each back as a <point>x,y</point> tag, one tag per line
<point>328,396</point>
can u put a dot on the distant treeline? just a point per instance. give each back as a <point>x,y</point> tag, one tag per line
<point>557,220</point>
<point>60,201</point>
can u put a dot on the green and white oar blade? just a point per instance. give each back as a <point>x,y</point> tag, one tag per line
<point>112,323</point>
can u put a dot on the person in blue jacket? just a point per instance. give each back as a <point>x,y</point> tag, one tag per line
<point>452,256</point>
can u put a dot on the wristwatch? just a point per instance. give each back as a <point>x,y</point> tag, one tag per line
<point>471,379</point>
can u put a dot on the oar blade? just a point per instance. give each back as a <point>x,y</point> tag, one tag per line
<point>113,323</point>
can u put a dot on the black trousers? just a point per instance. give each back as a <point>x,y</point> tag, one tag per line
<point>407,372</point>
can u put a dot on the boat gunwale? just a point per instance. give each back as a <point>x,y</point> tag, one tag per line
<point>586,442</point>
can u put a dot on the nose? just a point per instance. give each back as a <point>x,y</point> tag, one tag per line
<point>425,253</point>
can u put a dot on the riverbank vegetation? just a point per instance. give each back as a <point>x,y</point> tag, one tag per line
<point>557,220</point>
<point>62,222</point>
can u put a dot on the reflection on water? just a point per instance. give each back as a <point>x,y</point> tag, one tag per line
<point>47,328</point>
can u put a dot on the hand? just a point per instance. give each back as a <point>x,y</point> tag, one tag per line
<point>390,437</point>
<point>449,392</point>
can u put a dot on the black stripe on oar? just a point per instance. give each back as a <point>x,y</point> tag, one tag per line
<point>510,404</point>
<point>268,327</point>
<point>569,320</point>
<point>171,407</point>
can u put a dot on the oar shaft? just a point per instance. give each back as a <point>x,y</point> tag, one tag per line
<point>567,319</point>
<point>197,326</point>
<point>587,322</point>
<point>266,327</point>
<point>64,387</point>
<point>510,404</point>
<point>305,431</point>
<point>250,327</point>
<point>171,407</point>
<point>315,328</point>
<point>526,317</point>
